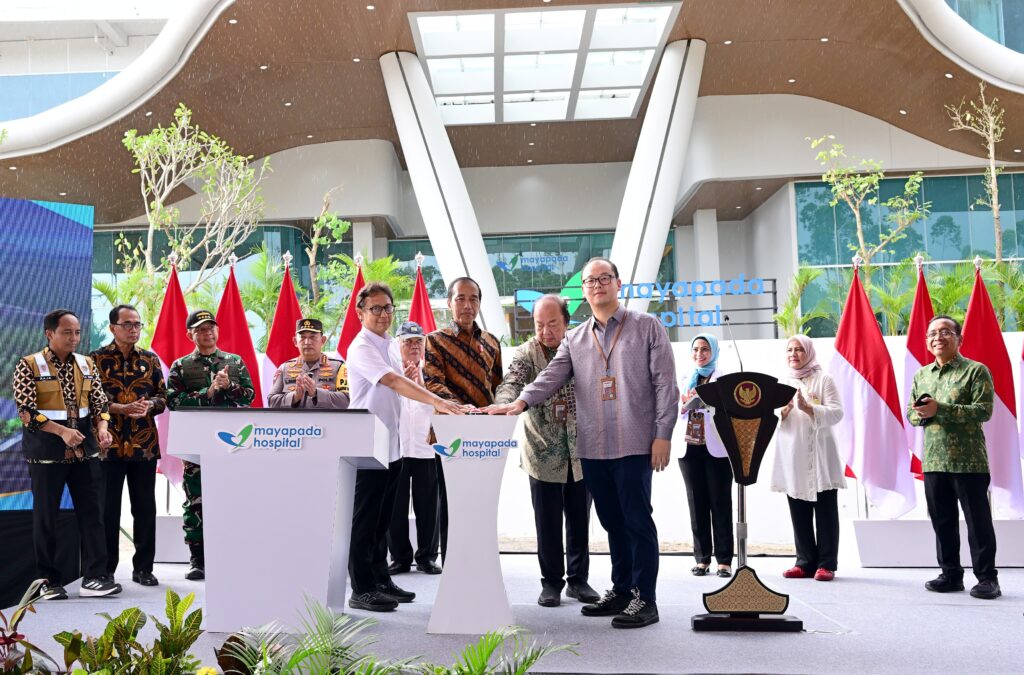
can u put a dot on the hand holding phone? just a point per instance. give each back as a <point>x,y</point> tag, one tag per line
<point>922,399</point>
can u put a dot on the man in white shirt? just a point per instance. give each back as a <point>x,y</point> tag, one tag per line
<point>419,470</point>
<point>376,383</point>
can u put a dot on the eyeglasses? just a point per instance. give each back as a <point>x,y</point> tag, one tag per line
<point>131,325</point>
<point>377,310</point>
<point>943,332</point>
<point>604,280</point>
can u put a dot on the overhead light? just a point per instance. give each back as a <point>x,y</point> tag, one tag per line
<point>309,135</point>
<point>903,112</point>
<point>533,124</point>
<point>949,76</point>
<point>356,60</point>
<point>287,104</point>
<point>13,168</point>
<point>759,188</point>
<point>739,208</point>
<point>149,113</point>
<point>529,161</point>
<point>63,194</point>
<point>232,21</point>
<point>264,67</point>
<point>727,42</point>
<point>370,7</point>
<point>546,1</point>
<point>823,40</point>
<point>532,143</point>
<point>1016,149</point>
<point>791,80</point>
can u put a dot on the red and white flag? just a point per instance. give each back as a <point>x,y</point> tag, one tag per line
<point>871,432</point>
<point>419,308</point>
<point>235,337</point>
<point>351,327</point>
<point>170,342</point>
<point>281,341</point>
<point>917,356</point>
<point>983,342</point>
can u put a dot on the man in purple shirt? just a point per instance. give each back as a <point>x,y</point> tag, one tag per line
<point>626,407</point>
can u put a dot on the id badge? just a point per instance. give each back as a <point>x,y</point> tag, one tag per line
<point>561,409</point>
<point>695,428</point>
<point>608,388</point>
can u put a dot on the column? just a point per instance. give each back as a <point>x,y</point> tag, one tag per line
<point>707,268</point>
<point>362,239</point>
<point>651,190</point>
<point>438,184</point>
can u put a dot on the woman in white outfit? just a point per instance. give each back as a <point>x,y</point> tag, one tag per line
<point>705,467</point>
<point>807,465</point>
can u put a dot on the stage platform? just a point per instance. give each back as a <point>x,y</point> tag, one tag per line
<point>866,621</point>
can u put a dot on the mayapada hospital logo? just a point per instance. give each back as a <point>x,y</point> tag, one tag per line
<point>474,449</point>
<point>269,438</point>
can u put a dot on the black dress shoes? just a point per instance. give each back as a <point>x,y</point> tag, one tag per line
<point>144,578</point>
<point>944,584</point>
<point>550,596</point>
<point>986,590</point>
<point>399,594</point>
<point>582,591</point>
<point>196,570</point>
<point>428,568</point>
<point>638,614</point>
<point>611,604</point>
<point>398,568</point>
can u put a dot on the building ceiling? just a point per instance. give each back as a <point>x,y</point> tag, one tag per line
<point>874,61</point>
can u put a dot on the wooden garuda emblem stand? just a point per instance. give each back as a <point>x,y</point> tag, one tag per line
<point>745,405</point>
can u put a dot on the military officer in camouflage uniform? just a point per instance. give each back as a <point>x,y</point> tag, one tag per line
<point>206,378</point>
<point>313,379</point>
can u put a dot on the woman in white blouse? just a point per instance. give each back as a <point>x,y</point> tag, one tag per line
<point>705,467</point>
<point>807,465</point>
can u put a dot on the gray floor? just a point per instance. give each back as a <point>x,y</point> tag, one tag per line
<point>866,621</point>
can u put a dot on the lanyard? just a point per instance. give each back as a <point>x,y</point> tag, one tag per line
<point>608,358</point>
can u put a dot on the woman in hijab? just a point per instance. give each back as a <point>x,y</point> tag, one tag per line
<point>705,467</point>
<point>807,465</point>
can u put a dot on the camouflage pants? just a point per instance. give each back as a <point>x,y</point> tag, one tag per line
<point>193,516</point>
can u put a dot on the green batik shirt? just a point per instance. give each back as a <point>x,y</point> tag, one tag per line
<point>953,439</point>
<point>190,377</point>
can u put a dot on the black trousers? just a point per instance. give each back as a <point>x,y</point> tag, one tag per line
<point>552,501</point>
<point>373,504</point>
<point>442,516</point>
<point>816,531</point>
<point>83,481</point>
<point>708,483</point>
<point>422,475</point>
<point>621,489</point>
<point>141,479</point>
<point>942,491</point>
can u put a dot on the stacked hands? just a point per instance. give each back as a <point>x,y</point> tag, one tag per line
<point>800,401</point>
<point>220,382</point>
<point>660,449</point>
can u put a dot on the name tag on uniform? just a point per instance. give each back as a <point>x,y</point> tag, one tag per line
<point>561,409</point>
<point>608,388</point>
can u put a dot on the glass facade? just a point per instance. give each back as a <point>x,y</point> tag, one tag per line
<point>26,95</point>
<point>956,230</point>
<point>1000,20</point>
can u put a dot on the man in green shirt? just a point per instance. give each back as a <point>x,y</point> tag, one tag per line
<point>952,399</point>
<point>206,378</point>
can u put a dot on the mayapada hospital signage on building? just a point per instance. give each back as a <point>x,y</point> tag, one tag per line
<point>687,293</point>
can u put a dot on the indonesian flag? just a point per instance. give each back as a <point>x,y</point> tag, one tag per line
<point>419,308</point>
<point>351,327</point>
<point>871,431</point>
<point>983,342</point>
<point>170,342</point>
<point>281,343</point>
<point>234,334</point>
<point>917,356</point>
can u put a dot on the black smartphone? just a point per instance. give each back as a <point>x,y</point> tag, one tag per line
<point>922,399</point>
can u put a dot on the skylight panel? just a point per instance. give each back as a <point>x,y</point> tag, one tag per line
<point>453,34</point>
<point>536,106</point>
<point>629,27</point>
<point>605,103</point>
<point>627,68</point>
<point>543,31</point>
<point>462,75</point>
<point>539,71</point>
<point>466,109</point>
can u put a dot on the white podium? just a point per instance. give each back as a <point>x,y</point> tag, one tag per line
<point>277,505</point>
<point>471,598</point>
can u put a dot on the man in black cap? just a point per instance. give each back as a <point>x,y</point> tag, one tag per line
<point>206,378</point>
<point>312,379</point>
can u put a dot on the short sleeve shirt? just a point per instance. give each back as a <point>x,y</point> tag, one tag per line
<point>370,358</point>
